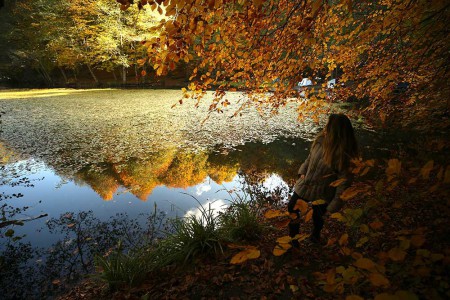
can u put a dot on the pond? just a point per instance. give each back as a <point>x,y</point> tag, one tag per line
<point>112,152</point>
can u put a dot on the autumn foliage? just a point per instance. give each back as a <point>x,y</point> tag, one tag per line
<point>385,54</point>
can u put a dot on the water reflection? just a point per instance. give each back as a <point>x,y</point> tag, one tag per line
<point>181,169</point>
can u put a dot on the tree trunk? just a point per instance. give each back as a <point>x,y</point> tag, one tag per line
<point>136,73</point>
<point>124,75</point>
<point>63,74</point>
<point>45,73</point>
<point>92,73</point>
<point>114,75</point>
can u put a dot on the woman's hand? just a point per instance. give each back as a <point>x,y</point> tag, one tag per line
<point>302,176</point>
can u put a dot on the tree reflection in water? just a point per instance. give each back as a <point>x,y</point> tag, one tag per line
<point>253,162</point>
<point>29,272</point>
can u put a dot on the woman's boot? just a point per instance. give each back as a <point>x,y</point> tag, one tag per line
<point>294,229</point>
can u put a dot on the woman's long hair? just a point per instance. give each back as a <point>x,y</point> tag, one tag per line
<point>339,142</point>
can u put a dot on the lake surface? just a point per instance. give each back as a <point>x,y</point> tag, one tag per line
<point>128,151</point>
<point>113,151</point>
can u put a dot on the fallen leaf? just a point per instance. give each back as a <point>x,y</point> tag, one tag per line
<point>378,279</point>
<point>301,206</point>
<point>396,254</point>
<point>426,169</point>
<point>245,255</point>
<point>364,263</point>
<point>417,240</point>
<point>273,213</point>
<point>338,182</point>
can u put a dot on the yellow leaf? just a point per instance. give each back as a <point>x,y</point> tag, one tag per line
<point>253,253</point>
<point>293,288</point>
<point>284,239</point>
<point>318,202</point>
<point>364,263</point>
<point>426,169</point>
<point>362,241</point>
<point>273,213</point>
<point>245,255</point>
<point>396,254</point>
<point>378,279</point>
<point>281,249</point>
<point>338,182</point>
<point>301,237</point>
<point>308,215</point>
<point>354,297</point>
<point>344,239</point>
<point>417,240</point>
<point>364,228</point>
<point>338,216</point>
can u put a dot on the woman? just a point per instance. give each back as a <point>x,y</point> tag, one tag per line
<point>328,161</point>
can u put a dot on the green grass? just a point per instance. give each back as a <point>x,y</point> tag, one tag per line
<point>122,269</point>
<point>241,221</point>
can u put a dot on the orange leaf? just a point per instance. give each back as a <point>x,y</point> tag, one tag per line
<point>350,193</point>
<point>376,225</point>
<point>417,240</point>
<point>396,254</point>
<point>273,213</point>
<point>394,168</point>
<point>426,169</point>
<point>344,239</point>
<point>378,279</point>
<point>338,182</point>
<point>284,240</point>
<point>281,249</point>
<point>301,205</point>
<point>364,263</point>
<point>143,73</point>
<point>309,215</point>
<point>245,255</point>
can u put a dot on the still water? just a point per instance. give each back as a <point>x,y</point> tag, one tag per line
<point>113,151</point>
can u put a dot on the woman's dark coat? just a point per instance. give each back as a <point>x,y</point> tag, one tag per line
<point>318,177</point>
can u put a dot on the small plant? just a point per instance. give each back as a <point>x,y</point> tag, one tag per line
<point>121,269</point>
<point>241,221</point>
<point>192,236</point>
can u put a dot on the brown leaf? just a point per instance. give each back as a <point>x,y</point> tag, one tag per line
<point>397,254</point>
<point>378,279</point>
<point>426,169</point>
<point>364,263</point>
